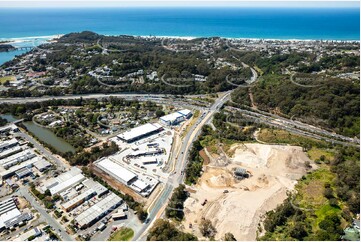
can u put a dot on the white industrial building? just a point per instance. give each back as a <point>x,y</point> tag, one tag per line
<point>17,158</point>
<point>172,119</point>
<point>10,151</point>
<point>186,113</point>
<point>8,144</point>
<point>96,186</point>
<point>176,117</point>
<point>76,201</point>
<point>120,173</point>
<point>5,173</point>
<point>35,232</point>
<point>140,132</point>
<point>42,165</point>
<point>97,211</point>
<point>63,181</point>
<point>10,215</point>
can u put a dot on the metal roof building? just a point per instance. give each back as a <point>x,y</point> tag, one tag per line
<point>8,144</point>
<point>140,132</point>
<point>96,186</point>
<point>11,171</point>
<point>172,119</point>
<point>17,158</point>
<point>98,210</point>
<point>76,201</point>
<point>66,184</point>
<point>42,164</point>
<point>186,112</point>
<point>118,172</point>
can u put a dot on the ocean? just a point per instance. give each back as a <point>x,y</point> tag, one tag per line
<point>264,23</point>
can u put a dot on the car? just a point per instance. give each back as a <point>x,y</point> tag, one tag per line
<point>146,220</point>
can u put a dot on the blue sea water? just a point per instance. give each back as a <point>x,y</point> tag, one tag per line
<point>269,23</point>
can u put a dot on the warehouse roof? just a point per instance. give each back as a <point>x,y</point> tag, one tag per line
<point>66,184</point>
<point>140,131</point>
<point>140,185</point>
<point>185,112</point>
<point>77,199</point>
<point>101,207</point>
<point>116,170</point>
<point>42,164</point>
<point>171,117</point>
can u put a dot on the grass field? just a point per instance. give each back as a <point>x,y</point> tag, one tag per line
<point>7,78</point>
<point>316,153</point>
<point>285,137</point>
<point>123,234</point>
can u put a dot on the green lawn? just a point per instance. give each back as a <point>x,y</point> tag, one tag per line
<point>7,78</point>
<point>123,234</point>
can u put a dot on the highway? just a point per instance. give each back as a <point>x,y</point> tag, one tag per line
<point>295,127</point>
<point>90,96</point>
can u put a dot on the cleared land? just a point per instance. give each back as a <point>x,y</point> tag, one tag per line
<point>273,169</point>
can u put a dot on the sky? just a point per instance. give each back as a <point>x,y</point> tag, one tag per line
<point>175,3</point>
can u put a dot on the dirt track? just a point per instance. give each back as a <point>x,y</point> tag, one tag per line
<point>274,169</point>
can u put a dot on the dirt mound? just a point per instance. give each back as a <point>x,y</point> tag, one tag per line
<point>236,205</point>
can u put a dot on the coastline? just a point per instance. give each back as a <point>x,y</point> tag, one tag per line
<point>15,40</point>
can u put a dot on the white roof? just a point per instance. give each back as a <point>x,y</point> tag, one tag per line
<point>185,112</point>
<point>15,168</point>
<point>116,170</point>
<point>97,209</point>
<point>10,215</point>
<point>41,164</point>
<point>78,198</point>
<point>140,184</point>
<point>7,143</point>
<point>171,117</point>
<point>66,184</point>
<point>25,154</point>
<point>139,131</point>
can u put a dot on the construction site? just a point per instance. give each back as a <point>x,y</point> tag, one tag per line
<point>234,192</point>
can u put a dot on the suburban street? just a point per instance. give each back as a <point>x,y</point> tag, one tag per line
<point>23,191</point>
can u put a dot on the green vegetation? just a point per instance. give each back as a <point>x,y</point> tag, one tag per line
<point>207,229</point>
<point>163,230</point>
<point>85,157</point>
<point>46,197</point>
<point>3,121</point>
<point>230,129</point>
<point>277,136</point>
<point>123,234</point>
<point>325,201</point>
<point>176,202</point>
<point>333,104</point>
<point>229,237</point>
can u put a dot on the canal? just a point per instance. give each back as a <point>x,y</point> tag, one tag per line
<point>44,134</point>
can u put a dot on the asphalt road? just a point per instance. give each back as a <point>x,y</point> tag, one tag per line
<point>44,151</point>
<point>177,177</point>
<point>23,191</point>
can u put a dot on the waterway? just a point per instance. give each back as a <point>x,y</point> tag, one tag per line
<point>44,134</point>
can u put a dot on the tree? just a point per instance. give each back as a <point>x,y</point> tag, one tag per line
<point>166,231</point>
<point>159,113</point>
<point>229,237</point>
<point>207,229</point>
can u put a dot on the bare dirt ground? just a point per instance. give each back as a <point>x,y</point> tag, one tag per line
<point>273,169</point>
